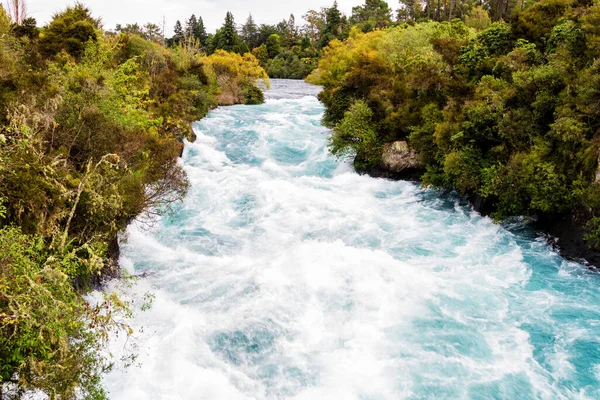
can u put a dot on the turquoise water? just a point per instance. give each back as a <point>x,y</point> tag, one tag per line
<point>285,275</point>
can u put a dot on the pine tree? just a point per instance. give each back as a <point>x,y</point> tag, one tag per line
<point>229,36</point>
<point>190,28</point>
<point>200,33</point>
<point>249,33</point>
<point>292,34</point>
<point>152,32</point>
<point>333,25</point>
<point>178,35</point>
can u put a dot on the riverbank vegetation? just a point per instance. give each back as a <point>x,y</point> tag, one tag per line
<point>91,126</point>
<point>500,99</point>
<point>502,104</point>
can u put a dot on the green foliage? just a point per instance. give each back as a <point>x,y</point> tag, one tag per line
<point>510,113</point>
<point>90,132</point>
<point>356,135</point>
<point>2,208</point>
<point>253,95</point>
<point>179,35</point>
<point>538,20</point>
<point>334,25</point>
<point>70,31</point>
<point>478,18</point>
<point>226,38</point>
<point>289,66</point>
<point>569,36</point>
<point>235,74</point>
<point>49,336</point>
<point>273,45</point>
<point>479,56</point>
<point>374,14</point>
<point>249,33</point>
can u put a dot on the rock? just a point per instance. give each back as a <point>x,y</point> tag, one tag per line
<point>398,157</point>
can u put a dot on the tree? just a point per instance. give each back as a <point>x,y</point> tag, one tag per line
<point>356,135</point>
<point>249,33</point>
<point>264,31</point>
<point>291,34</point>
<point>152,32</point>
<point>410,9</point>
<point>333,25</point>
<point>178,34</point>
<point>273,45</point>
<point>478,18</point>
<point>28,28</point>
<point>261,53</point>
<point>314,27</point>
<point>374,14</point>
<point>227,35</point>
<point>133,29</point>
<point>200,33</point>
<point>69,30</point>
<point>17,9</point>
<point>191,26</point>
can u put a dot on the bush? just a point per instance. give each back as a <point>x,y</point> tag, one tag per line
<point>46,340</point>
<point>70,31</point>
<point>253,95</point>
<point>356,136</point>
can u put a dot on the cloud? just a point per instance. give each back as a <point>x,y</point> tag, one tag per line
<point>213,12</point>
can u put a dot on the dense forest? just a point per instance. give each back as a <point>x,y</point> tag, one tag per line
<point>498,99</point>
<point>285,50</point>
<point>91,128</point>
<point>502,105</point>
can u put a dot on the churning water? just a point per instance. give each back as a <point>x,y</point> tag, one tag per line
<point>285,275</point>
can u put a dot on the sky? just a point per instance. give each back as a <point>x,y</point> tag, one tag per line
<point>213,12</point>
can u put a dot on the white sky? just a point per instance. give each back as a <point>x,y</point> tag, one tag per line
<point>213,12</point>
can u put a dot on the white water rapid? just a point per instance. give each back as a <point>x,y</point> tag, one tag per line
<point>286,275</point>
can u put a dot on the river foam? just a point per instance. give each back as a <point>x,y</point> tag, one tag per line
<point>285,275</point>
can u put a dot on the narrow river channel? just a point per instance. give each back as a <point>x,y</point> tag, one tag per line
<point>286,275</point>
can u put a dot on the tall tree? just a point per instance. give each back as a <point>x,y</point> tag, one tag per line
<point>265,31</point>
<point>410,9</point>
<point>229,36</point>
<point>315,23</point>
<point>190,28</point>
<point>292,35</point>
<point>70,30</point>
<point>200,33</point>
<point>249,33</point>
<point>178,34</point>
<point>17,9</point>
<point>374,14</point>
<point>153,32</point>
<point>333,25</point>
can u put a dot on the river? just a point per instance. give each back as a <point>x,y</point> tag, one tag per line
<point>286,275</point>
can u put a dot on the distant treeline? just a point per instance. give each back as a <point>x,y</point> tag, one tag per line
<point>289,50</point>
